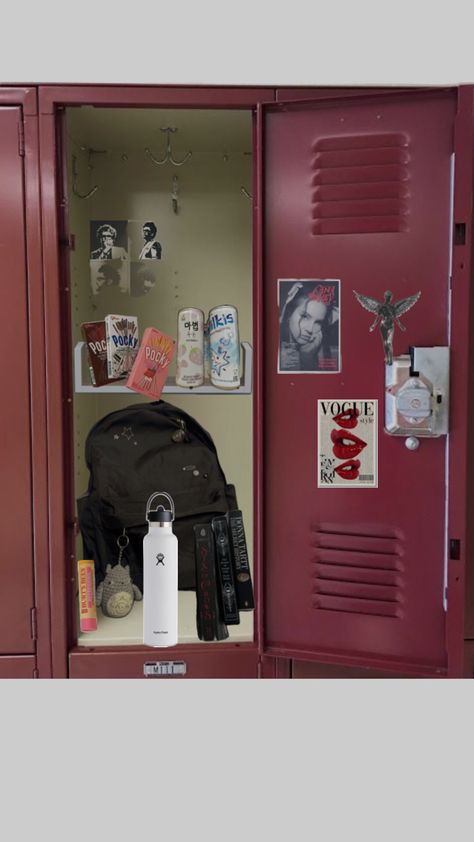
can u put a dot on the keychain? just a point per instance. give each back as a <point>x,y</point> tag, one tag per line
<point>117,593</point>
<point>122,546</point>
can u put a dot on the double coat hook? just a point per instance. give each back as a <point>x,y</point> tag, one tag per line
<point>168,155</point>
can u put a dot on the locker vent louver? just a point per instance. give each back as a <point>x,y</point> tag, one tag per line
<point>358,569</point>
<point>360,184</point>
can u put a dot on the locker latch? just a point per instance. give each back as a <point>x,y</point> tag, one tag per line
<point>417,393</point>
<point>155,669</point>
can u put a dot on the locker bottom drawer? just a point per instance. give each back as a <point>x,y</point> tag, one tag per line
<point>237,661</point>
<point>19,666</point>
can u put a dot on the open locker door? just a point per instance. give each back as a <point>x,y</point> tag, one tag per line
<point>357,198</point>
<point>16,528</point>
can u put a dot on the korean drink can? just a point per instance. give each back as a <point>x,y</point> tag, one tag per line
<point>190,358</point>
<point>225,347</point>
<point>207,353</point>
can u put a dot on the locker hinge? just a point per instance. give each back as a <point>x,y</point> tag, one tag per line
<point>73,525</point>
<point>259,667</point>
<point>21,139</point>
<point>35,673</point>
<point>68,242</point>
<point>34,624</point>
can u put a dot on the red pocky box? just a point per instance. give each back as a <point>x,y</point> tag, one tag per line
<point>150,368</point>
<point>96,344</point>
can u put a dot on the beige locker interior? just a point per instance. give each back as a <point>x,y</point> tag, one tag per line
<point>206,261</point>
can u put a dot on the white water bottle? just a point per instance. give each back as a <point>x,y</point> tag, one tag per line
<point>160,576</point>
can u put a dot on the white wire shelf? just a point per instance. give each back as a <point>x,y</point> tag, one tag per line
<point>82,381</point>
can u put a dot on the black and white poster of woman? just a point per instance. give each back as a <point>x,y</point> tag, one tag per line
<point>309,326</point>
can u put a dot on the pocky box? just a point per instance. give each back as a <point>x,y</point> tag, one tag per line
<point>96,344</point>
<point>150,368</point>
<point>122,344</point>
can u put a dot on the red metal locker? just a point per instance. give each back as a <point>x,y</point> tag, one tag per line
<point>16,593</point>
<point>20,666</point>
<point>299,616</point>
<point>240,661</point>
<point>24,610</point>
<point>358,576</point>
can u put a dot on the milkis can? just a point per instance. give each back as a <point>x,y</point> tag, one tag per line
<point>207,353</point>
<point>190,357</point>
<point>225,347</point>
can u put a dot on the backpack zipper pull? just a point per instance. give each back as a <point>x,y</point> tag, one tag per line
<point>181,434</point>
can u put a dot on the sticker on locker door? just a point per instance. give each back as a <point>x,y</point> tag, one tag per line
<point>387,316</point>
<point>347,443</point>
<point>309,312</point>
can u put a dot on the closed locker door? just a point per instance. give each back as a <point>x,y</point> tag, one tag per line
<point>358,193</point>
<point>16,555</point>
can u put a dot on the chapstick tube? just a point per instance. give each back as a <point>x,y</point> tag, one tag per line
<point>87,607</point>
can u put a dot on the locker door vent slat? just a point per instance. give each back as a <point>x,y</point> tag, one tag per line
<point>358,570</point>
<point>360,184</point>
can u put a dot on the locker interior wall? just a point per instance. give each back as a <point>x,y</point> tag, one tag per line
<point>206,259</point>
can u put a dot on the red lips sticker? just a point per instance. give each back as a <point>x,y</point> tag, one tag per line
<point>348,470</point>
<point>347,419</point>
<point>344,458</point>
<point>346,445</point>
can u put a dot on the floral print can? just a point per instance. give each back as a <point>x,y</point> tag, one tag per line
<point>190,358</point>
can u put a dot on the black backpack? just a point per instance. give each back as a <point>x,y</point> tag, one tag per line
<point>130,454</point>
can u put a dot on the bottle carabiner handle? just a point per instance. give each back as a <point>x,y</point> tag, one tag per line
<point>160,506</point>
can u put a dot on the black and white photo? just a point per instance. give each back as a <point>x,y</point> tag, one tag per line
<point>108,240</point>
<point>143,278</point>
<point>151,249</point>
<point>309,312</point>
<point>105,274</point>
<point>145,240</point>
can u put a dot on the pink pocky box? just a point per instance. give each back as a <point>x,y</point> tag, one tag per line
<point>150,368</point>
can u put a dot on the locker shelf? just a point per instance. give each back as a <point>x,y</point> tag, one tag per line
<point>128,631</point>
<point>82,378</point>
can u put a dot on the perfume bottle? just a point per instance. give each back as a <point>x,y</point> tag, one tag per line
<point>160,575</point>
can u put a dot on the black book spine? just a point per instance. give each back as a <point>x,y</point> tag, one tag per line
<point>208,622</point>
<point>225,575</point>
<point>242,576</point>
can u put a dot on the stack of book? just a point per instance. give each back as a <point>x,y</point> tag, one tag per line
<point>223,580</point>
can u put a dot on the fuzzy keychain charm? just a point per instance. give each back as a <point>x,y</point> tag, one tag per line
<point>117,593</point>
